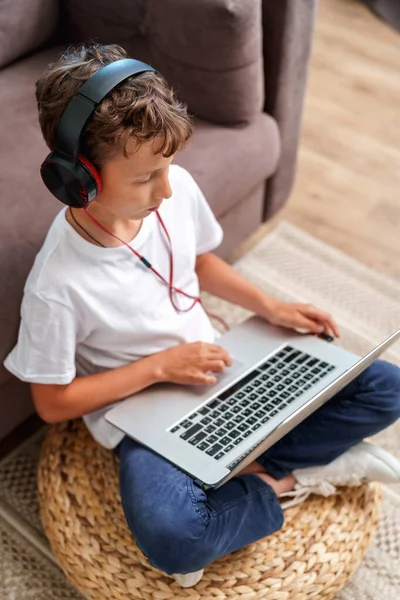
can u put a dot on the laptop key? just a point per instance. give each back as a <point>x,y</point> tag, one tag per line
<point>273,413</point>
<point>205,420</point>
<point>253,396</point>
<point>247,412</point>
<point>225,440</point>
<point>212,439</point>
<point>197,438</point>
<point>265,419</point>
<point>244,403</point>
<point>256,426</point>
<point>219,422</point>
<point>238,440</point>
<point>189,432</point>
<point>204,410</point>
<point>301,359</point>
<point>248,389</point>
<point>312,362</point>
<point>260,414</point>
<point>238,419</point>
<point>221,432</point>
<point>214,414</point>
<point>202,446</point>
<point>186,423</point>
<point>251,420</point>
<point>219,455</point>
<point>214,449</point>
<point>230,426</point>
<point>228,415</point>
<point>229,448</point>
<point>210,428</point>
<point>247,433</point>
<point>234,434</point>
<point>236,409</point>
<point>239,395</point>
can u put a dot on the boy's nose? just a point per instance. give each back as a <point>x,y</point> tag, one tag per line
<point>164,191</point>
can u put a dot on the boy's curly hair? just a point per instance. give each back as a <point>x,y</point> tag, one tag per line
<point>141,107</point>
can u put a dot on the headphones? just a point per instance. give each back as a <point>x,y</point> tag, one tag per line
<point>68,175</point>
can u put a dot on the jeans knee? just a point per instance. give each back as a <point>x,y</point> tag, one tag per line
<point>387,385</point>
<point>173,550</point>
<point>172,538</point>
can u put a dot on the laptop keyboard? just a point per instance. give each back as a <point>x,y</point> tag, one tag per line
<point>224,422</point>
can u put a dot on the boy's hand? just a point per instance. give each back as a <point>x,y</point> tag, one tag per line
<point>189,363</point>
<point>304,316</point>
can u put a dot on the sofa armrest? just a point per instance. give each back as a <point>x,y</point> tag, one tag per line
<point>288,27</point>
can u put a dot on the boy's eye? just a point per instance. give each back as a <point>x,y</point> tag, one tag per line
<point>141,182</point>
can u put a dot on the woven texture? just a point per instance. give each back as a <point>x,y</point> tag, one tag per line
<point>322,543</point>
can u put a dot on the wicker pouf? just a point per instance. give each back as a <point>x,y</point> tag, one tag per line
<point>321,544</point>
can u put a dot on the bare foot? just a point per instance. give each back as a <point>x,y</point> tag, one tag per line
<point>279,486</point>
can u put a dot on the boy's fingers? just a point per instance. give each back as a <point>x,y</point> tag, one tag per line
<point>216,366</point>
<point>310,325</point>
<point>222,354</point>
<point>324,318</point>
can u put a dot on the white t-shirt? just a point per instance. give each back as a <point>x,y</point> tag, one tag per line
<point>88,309</point>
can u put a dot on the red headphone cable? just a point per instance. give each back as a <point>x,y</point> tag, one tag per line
<point>172,288</point>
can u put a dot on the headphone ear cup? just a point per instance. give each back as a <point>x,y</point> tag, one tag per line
<point>75,182</point>
<point>92,170</point>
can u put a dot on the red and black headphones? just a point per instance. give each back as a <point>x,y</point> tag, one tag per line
<point>73,179</point>
<point>68,175</point>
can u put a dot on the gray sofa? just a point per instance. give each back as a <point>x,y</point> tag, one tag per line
<point>241,66</point>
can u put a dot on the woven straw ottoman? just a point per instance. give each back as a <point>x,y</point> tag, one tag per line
<point>321,544</point>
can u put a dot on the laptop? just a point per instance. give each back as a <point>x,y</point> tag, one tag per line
<point>278,378</point>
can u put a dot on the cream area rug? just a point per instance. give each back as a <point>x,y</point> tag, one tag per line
<point>290,265</point>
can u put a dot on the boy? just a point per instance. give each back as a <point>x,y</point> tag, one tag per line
<point>97,326</point>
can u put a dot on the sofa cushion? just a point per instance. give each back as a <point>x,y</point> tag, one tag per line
<point>210,51</point>
<point>230,162</point>
<point>105,21</point>
<point>25,25</point>
<point>27,207</point>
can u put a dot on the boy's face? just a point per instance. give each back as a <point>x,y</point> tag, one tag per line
<point>132,186</point>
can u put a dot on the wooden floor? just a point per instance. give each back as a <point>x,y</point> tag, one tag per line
<point>347,190</point>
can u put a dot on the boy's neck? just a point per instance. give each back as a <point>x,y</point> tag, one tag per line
<point>125,229</point>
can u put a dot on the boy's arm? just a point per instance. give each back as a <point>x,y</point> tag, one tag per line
<point>220,279</point>
<point>55,403</point>
<point>188,364</point>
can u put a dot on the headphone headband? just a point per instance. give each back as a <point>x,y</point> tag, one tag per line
<point>89,96</point>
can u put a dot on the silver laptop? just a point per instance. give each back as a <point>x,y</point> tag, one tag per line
<point>277,379</point>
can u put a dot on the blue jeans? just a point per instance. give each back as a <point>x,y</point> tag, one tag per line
<point>181,528</point>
